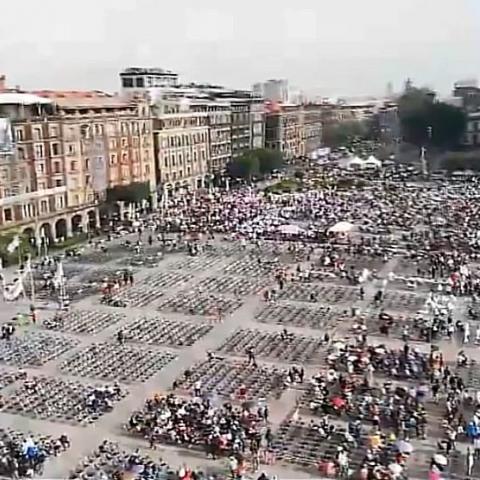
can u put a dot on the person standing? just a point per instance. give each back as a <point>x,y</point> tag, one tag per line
<point>470,462</point>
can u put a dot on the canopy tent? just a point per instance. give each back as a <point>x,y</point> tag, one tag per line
<point>290,229</point>
<point>355,161</point>
<point>373,162</point>
<point>342,227</point>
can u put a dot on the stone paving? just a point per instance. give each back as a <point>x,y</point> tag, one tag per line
<point>177,311</point>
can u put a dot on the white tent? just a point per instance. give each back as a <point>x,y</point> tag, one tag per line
<point>290,229</point>
<point>374,162</point>
<point>355,161</point>
<point>342,227</point>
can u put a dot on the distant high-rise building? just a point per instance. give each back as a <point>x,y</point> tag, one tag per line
<point>273,90</point>
<point>139,80</point>
<point>257,89</point>
<point>390,92</point>
<point>408,85</point>
<point>468,92</point>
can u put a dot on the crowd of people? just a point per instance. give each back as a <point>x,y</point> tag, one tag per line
<point>224,430</point>
<point>381,393</point>
<point>24,456</point>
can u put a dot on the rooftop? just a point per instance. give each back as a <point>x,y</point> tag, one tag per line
<point>147,71</point>
<point>82,99</point>
<point>15,98</point>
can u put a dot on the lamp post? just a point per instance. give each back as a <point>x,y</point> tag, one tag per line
<point>423,152</point>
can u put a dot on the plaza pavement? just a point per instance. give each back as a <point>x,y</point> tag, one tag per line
<point>85,439</point>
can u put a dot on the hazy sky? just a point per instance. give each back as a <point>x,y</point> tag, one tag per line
<point>331,47</point>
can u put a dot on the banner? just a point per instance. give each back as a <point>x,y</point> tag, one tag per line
<point>96,151</point>
<point>6,137</point>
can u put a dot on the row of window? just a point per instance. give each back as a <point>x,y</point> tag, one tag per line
<point>189,122</point>
<point>172,161</point>
<point>39,151</point>
<point>113,144</point>
<point>86,130</point>
<point>220,150</point>
<point>114,129</point>
<point>37,133</point>
<point>184,140</point>
<point>29,210</point>
<point>167,177</point>
<point>473,126</point>
<point>74,182</point>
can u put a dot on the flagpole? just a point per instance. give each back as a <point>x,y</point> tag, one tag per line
<point>32,282</point>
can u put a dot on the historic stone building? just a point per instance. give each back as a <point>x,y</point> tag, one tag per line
<point>220,136</point>
<point>312,130</point>
<point>182,151</point>
<point>284,129</point>
<point>67,149</point>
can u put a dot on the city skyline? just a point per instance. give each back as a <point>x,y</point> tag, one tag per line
<point>324,48</point>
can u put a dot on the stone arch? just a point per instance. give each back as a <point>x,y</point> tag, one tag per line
<point>46,231</point>
<point>28,233</point>
<point>92,220</point>
<point>109,213</point>
<point>61,228</point>
<point>77,223</point>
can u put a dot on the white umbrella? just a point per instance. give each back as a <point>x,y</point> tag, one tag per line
<point>342,227</point>
<point>440,459</point>
<point>404,446</point>
<point>290,229</point>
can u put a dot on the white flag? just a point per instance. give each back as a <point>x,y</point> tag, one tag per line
<point>14,244</point>
<point>28,264</point>
<point>59,273</point>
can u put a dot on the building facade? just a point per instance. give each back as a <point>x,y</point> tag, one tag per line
<point>220,132</point>
<point>472,132</point>
<point>141,81</point>
<point>182,151</point>
<point>33,193</point>
<point>312,120</point>
<point>285,129</point>
<point>274,90</point>
<point>468,92</point>
<point>240,126</point>
<point>69,149</point>
<point>257,123</point>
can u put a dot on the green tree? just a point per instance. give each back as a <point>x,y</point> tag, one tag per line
<point>425,121</point>
<point>448,125</point>
<point>246,166</point>
<point>342,134</point>
<point>268,160</point>
<point>461,161</point>
<point>134,192</point>
<point>255,162</point>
